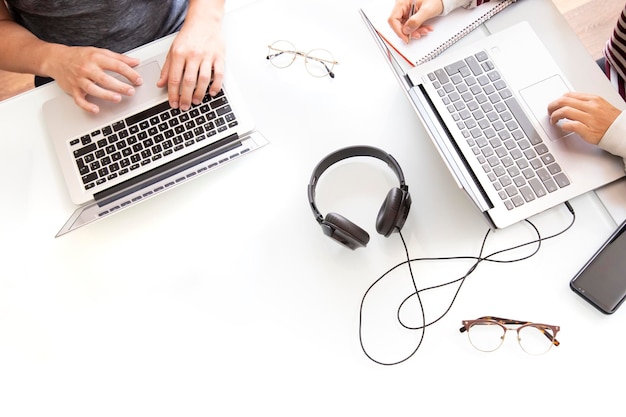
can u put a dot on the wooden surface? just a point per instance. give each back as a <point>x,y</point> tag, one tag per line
<point>592,20</point>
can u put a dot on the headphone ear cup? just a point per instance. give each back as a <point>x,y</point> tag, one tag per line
<point>391,213</point>
<point>344,231</point>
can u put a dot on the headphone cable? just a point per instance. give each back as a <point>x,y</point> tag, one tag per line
<point>478,259</point>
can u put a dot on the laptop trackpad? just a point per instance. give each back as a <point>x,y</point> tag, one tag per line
<point>537,98</point>
<point>147,92</point>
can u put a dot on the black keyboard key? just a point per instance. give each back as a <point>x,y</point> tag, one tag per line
<point>85,150</point>
<point>147,114</point>
<point>91,177</point>
<point>218,102</point>
<point>117,126</point>
<point>224,110</point>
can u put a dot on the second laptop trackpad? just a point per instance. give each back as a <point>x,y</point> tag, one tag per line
<point>538,96</point>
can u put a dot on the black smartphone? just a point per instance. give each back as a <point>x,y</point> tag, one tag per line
<point>602,280</point>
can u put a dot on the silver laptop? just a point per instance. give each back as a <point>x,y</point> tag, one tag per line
<point>133,150</point>
<point>484,106</point>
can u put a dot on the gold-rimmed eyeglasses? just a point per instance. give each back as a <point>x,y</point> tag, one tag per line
<point>487,334</point>
<point>318,62</point>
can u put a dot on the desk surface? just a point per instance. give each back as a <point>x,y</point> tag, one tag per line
<point>223,297</point>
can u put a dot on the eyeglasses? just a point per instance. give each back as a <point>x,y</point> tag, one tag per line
<point>487,334</point>
<point>318,62</point>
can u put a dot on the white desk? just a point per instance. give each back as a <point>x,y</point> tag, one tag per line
<point>222,296</point>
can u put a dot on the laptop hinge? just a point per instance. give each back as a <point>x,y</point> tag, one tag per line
<point>408,81</point>
<point>166,170</point>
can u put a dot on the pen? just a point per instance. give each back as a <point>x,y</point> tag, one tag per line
<point>411,12</point>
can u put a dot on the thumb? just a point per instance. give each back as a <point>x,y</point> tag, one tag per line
<point>416,21</point>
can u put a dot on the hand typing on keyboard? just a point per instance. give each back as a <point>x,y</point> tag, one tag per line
<point>195,62</point>
<point>43,39</point>
<point>80,71</point>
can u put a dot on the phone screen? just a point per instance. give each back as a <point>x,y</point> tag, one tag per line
<point>602,281</point>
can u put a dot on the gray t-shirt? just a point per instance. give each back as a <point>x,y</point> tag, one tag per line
<point>118,25</point>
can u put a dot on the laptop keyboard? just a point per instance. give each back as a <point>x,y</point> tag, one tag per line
<point>512,154</point>
<point>158,133</point>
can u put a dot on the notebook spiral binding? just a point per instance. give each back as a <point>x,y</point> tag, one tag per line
<point>466,30</point>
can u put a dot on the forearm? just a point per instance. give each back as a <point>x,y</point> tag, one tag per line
<point>23,52</point>
<point>206,12</point>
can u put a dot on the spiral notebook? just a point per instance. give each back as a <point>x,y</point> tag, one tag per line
<point>447,30</point>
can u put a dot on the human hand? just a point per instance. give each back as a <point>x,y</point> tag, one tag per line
<point>587,115</point>
<point>80,71</point>
<point>195,60</point>
<point>412,27</point>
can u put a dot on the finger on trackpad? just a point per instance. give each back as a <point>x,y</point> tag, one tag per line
<point>537,98</point>
<point>146,93</point>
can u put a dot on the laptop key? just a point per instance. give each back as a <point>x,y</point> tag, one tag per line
<point>562,180</point>
<point>89,177</point>
<point>537,187</point>
<point>85,150</point>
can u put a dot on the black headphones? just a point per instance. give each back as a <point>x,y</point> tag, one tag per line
<point>392,214</point>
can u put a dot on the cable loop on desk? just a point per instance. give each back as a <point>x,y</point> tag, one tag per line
<point>461,280</point>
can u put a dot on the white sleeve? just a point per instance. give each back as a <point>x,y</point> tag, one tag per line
<point>449,5</point>
<point>614,140</point>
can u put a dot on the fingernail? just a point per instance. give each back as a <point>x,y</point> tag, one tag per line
<point>139,81</point>
<point>196,101</point>
<point>174,104</point>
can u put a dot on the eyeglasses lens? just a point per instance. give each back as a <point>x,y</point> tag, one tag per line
<point>535,340</point>
<point>281,54</point>
<point>486,336</point>
<point>319,62</point>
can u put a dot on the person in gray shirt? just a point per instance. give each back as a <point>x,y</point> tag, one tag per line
<point>75,42</point>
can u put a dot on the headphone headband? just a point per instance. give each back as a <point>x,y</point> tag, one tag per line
<point>345,153</point>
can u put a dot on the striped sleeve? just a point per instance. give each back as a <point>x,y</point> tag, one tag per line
<point>615,54</point>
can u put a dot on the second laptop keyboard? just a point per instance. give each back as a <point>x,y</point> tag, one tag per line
<point>159,132</point>
<point>509,149</point>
